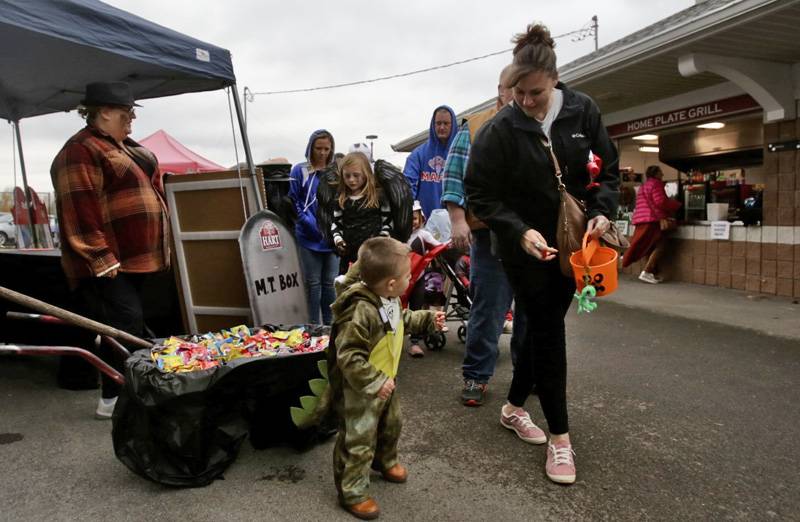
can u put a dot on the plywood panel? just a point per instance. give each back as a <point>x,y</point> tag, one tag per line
<point>198,212</point>
<point>215,323</point>
<point>216,277</point>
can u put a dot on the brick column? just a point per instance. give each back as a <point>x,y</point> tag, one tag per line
<point>781,268</point>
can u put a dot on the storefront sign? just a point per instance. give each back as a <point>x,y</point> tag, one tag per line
<point>720,230</point>
<point>715,109</point>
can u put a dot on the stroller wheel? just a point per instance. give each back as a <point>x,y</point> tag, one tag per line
<point>462,333</point>
<point>436,341</point>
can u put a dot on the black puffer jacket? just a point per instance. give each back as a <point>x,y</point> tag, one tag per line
<point>510,181</point>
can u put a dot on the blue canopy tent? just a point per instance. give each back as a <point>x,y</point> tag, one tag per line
<point>51,50</point>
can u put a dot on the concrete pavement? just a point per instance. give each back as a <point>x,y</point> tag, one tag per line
<point>767,314</point>
<point>671,417</point>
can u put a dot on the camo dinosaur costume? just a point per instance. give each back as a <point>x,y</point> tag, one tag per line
<point>366,352</point>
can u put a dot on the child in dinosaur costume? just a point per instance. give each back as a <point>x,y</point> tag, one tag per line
<point>369,324</point>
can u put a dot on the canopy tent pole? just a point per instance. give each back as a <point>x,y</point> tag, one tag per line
<point>246,144</point>
<point>28,199</point>
<point>14,153</point>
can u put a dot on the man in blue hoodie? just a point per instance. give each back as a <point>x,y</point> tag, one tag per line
<point>425,165</point>
<point>320,264</point>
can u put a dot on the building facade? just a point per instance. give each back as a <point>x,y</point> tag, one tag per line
<point>711,95</point>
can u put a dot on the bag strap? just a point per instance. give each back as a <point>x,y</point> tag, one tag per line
<point>549,146</point>
<point>562,189</point>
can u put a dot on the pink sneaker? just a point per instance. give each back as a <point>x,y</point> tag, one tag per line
<point>560,466</point>
<point>520,422</point>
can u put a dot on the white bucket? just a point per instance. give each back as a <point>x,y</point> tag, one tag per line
<point>716,211</point>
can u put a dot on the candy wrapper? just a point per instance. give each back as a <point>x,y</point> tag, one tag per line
<point>209,350</point>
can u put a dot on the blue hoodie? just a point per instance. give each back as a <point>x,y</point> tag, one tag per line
<point>303,192</point>
<point>425,166</point>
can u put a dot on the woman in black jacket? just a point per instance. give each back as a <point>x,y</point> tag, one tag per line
<point>511,186</point>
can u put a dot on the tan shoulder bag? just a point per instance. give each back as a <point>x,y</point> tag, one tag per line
<point>571,218</point>
<point>572,223</point>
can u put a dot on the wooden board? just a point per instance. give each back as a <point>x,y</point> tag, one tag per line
<point>207,212</point>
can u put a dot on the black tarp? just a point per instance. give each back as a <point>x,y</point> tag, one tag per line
<point>185,429</point>
<point>52,49</point>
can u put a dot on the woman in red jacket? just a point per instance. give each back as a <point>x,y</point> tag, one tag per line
<point>652,217</point>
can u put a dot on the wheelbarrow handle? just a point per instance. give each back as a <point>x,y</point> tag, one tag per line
<point>24,349</point>
<point>49,319</point>
<point>115,345</point>
<point>72,318</point>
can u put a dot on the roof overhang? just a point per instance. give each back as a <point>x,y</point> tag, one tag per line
<point>642,68</point>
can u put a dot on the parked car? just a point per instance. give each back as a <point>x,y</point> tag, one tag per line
<point>54,230</point>
<point>8,232</point>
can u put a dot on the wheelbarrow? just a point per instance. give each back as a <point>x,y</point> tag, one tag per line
<point>185,429</point>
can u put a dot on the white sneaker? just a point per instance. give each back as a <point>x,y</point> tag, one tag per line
<point>647,277</point>
<point>105,408</point>
<point>508,327</point>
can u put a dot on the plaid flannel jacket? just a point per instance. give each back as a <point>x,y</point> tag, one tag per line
<point>110,214</point>
<point>455,167</point>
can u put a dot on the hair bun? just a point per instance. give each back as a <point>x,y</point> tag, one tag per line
<point>537,34</point>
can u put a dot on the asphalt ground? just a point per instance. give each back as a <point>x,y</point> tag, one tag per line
<point>672,418</point>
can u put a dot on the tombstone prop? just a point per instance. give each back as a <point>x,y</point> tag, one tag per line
<point>272,271</point>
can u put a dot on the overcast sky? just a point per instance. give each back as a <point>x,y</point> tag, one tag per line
<point>279,45</point>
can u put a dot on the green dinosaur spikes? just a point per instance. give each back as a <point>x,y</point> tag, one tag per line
<point>304,416</point>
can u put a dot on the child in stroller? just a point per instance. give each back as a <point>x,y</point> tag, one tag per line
<point>433,278</point>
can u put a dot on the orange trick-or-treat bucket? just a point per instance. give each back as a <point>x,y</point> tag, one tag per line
<point>595,265</point>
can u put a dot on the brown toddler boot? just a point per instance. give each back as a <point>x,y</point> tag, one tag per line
<point>367,510</point>
<point>397,474</point>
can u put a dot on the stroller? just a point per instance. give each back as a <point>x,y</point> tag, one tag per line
<point>456,288</point>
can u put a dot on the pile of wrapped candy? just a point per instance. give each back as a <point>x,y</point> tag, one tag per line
<point>214,349</point>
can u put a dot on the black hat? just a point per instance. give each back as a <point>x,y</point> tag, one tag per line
<point>109,93</point>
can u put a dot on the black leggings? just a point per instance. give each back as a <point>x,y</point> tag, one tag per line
<point>116,302</point>
<point>545,296</point>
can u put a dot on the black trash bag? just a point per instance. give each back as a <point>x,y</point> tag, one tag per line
<point>177,429</point>
<point>270,421</point>
<point>185,429</point>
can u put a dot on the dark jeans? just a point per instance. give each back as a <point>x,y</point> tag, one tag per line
<point>491,299</point>
<point>545,296</point>
<point>116,302</point>
<point>319,271</point>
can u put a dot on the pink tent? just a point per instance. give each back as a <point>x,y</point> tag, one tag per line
<point>174,157</point>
